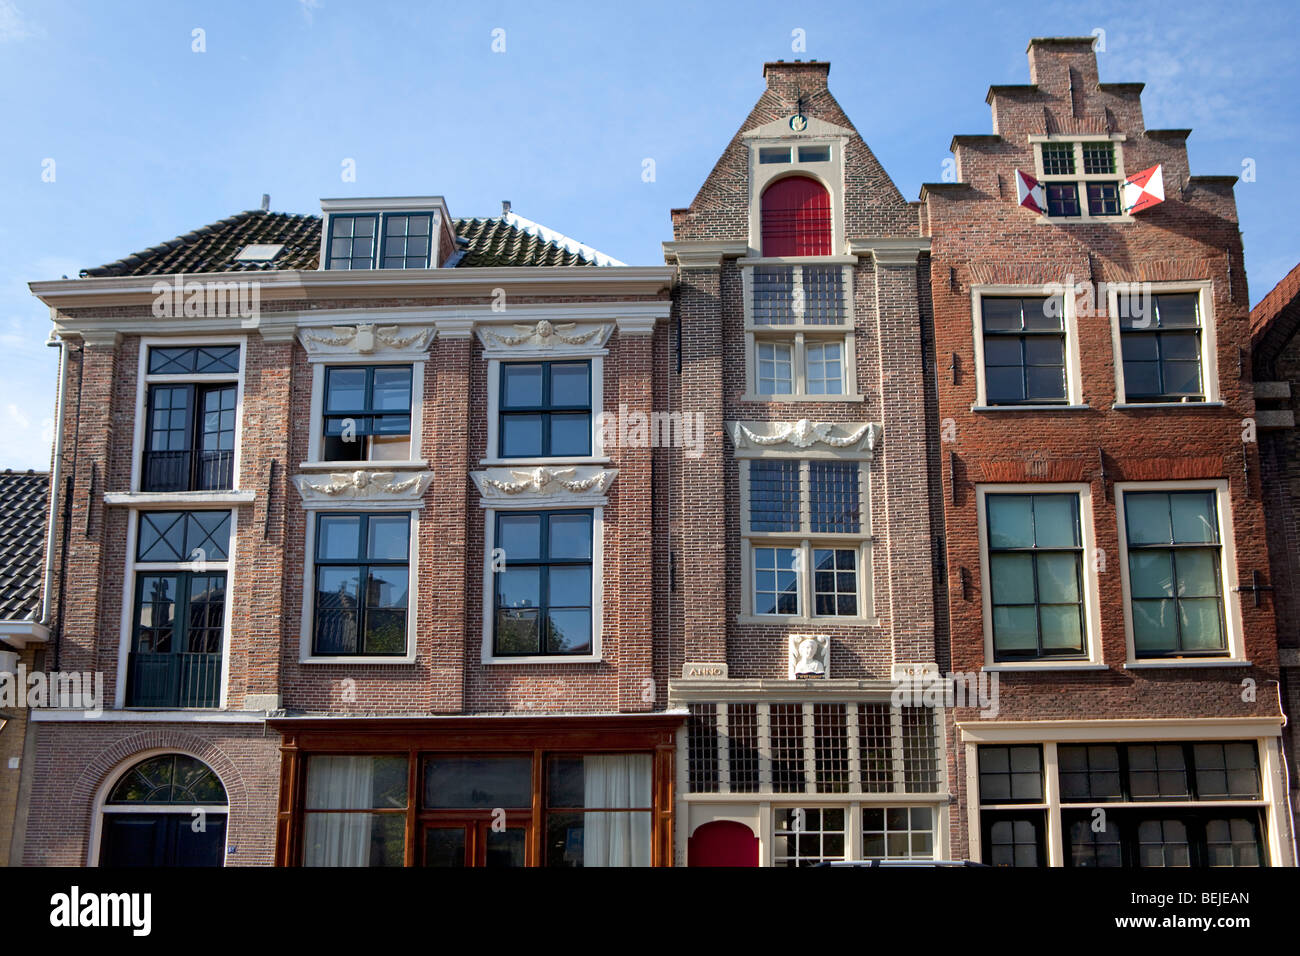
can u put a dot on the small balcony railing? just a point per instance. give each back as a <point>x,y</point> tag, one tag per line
<point>174,680</point>
<point>189,471</point>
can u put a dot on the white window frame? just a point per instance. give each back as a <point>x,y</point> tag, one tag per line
<point>307,630</point>
<point>804,543</point>
<point>799,334</point>
<point>829,173</point>
<point>597,509</point>
<point>144,379</point>
<point>133,568</point>
<point>1078,177</point>
<point>1091,585</point>
<point>1048,735</point>
<point>1203,288</point>
<point>315,438</point>
<point>1073,371</point>
<point>380,208</point>
<point>599,453</point>
<point>1235,655</point>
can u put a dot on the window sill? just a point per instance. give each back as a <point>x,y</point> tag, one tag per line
<point>786,620</point>
<point>1175,663</point>
<point>179,498</point>
<point>1031,408</point>
<point>750,397</point>
<point>361,465</point>
<point>533,462</point>
<point>1138,406</point>
<point>1082,220</point>
<point>1025,667</point>
<point>545,659</point>
<point>359,659</point>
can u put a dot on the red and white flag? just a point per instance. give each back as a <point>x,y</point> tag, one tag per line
<point>1029,192</point>
<point>1144,190</point>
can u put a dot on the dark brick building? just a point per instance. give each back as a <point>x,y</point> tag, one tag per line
<point>1104,516</point>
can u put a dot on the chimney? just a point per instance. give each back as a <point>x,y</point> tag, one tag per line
<point>505,208</point>
<point>1053,59</point>
<point>266,202</point>
<point>790,80</point>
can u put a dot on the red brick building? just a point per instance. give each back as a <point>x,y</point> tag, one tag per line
<point>1104,518</point>
<point>1275,351</point>
<point>366,580</point>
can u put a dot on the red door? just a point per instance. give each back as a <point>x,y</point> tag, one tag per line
<point>796,218</point>
<point>722,843</point>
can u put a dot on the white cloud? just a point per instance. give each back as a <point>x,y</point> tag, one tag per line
<point>13,25</point>
<point>308,8</point>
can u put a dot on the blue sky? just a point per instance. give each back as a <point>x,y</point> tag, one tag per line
<point>151,139</point>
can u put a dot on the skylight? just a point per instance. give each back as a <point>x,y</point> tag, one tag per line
<point>259,252</point>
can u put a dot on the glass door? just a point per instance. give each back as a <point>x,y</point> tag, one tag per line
<point>457,843</point>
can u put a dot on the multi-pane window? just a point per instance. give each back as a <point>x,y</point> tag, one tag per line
<point>190,425</point>
<point>898,833</point>
<point>808,835</point>
<point>1036,584</point>
<point>775,368</point>
<point>367,413</point>
<point>790,747</point>
<point>1175,573</point>
<point>406,241</point>
<point>1010,776</point>
<point>362,579</point>
<point>542,593</point>
<point>545,409</point>
<point>1138,804</point>
<point>178,623</point>
<point>1024,350</point>
<point>1074,173</point>
<point>1160,342</point>
<point>599,810</point>
<point>807,538</point>
<point>798,322</point>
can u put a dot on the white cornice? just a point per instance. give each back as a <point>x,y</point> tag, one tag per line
<point>178,499</point>
<point>525,487</point>
<point>704,253</point>
<point>838,439</point>
<point>366,338</point>
<point>543,337</point>
<point>346,489</point>
<point>386,204</point>
<point>370,283</point>
<point>890,252</point>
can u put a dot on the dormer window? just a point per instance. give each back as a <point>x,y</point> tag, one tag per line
<point>398,233</point>
<point>1081,177</point>
<point>406,241</point>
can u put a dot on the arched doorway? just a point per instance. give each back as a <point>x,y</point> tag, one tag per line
<point>722,843</point>
<point>166,810</point>
<point>796,218</point>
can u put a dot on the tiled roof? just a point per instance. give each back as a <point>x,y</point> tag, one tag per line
<point>1277,317</point>
<point>495,241</point>
<point>22,543</point>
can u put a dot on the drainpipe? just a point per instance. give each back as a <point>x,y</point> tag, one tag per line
<point>56,469</point>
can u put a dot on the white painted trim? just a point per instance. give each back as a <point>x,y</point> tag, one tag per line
<point>320,363</point>
<point>22,633</point>
<point>182,500</point>
<point>488,590</point>
<point>829,174</point>
<point>1235,655</point>
<point>106,787</point>
<point>1070,326</point>
<point>1119,729</point>
<point>1079,177</point>
<point>191,715</point>
<point>1204,289</point>
<point>144,379</point>
<point>1091,585</point>
<point>307,625</point>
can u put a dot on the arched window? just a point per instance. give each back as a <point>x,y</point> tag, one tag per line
<point>168,810</point>
<point>796,218</point>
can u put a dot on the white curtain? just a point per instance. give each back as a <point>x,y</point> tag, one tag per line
<point>339,783</point>
<point>616,839</point>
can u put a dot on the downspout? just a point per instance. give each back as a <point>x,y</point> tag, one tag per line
<point>55,470</point>
<point>69,483</point>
